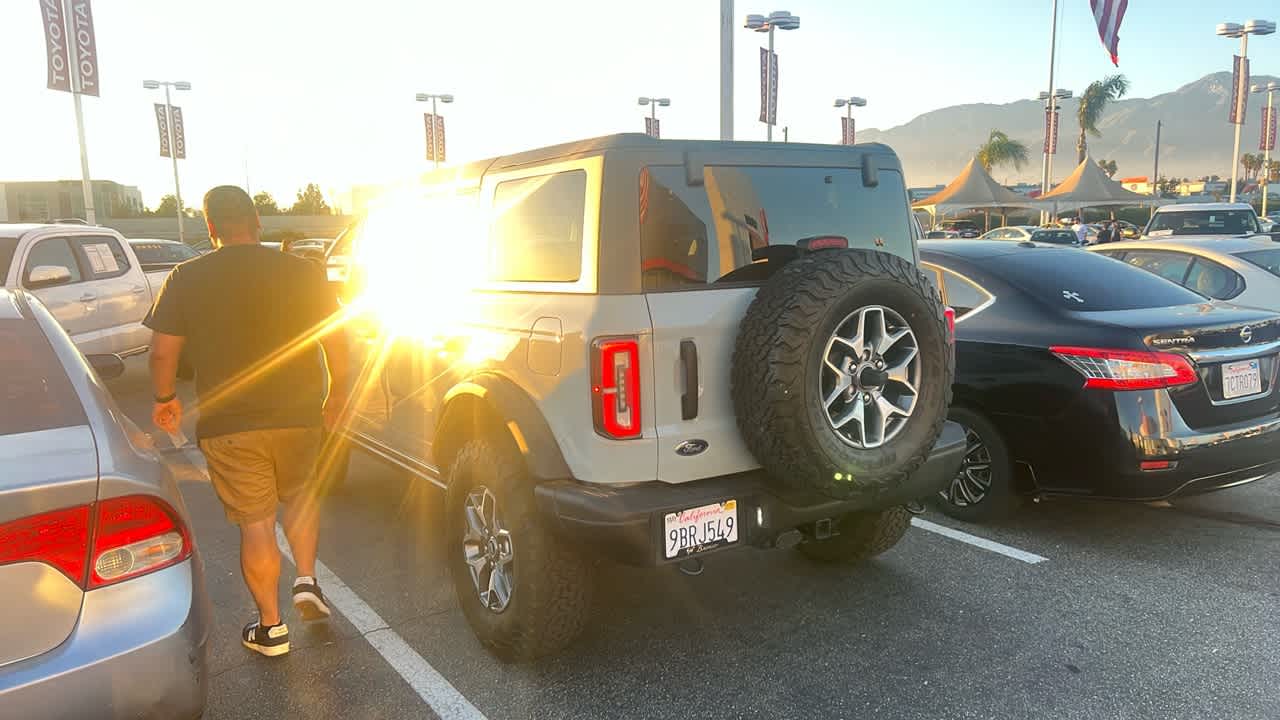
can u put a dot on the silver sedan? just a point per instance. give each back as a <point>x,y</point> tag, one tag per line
<point>105,612</point>
<point>1245,271</point>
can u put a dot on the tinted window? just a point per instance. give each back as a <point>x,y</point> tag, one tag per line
<point>55,252</point>
<point>719,232</point>
<point>1203,222</point>
<point>1054,237</point>
<point>103,256</point>
<point>537,228</point>
<point>35,393</point>
<point>1268,260</point>
<point>1073,280</point>
<point>1171,266</point>
<point>7,248</point>
<point>162,253</point>
<point>1213,280</point>
<point>963,295</point>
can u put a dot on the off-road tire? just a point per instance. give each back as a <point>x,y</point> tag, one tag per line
<point>779,353</point>
<point>862,536</point>
<point>552,584</point>
<point>1002,498</point>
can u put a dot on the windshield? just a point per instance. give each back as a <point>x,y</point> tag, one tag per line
<point>1268,260</point>
<point>1055,237</point>
<point>715,233</point>
<point>1203,222</point>
<point>162,253</point>
<point>1085,281</point>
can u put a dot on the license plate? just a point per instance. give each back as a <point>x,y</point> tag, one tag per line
<point>702,528</point>
<point>1240,379</point>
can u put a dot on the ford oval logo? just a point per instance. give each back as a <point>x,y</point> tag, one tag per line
<point>689,448</point>
<point>1246,334</point>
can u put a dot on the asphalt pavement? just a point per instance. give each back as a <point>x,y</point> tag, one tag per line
<point>1072,609</point>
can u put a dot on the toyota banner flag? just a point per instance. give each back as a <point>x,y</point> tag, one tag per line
<point>768,87</point>
<point>179,136</point>
<point>1239,90</point>
<point>1051,132</point>
<point>846,131</point>
<point>651,127</point>
<point>67,22</point>
<point>1268,141</point>
<point>162,124</point>
<point>434,125</point>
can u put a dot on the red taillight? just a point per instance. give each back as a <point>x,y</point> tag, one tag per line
<point>1152,465</point>
<point>135,534</point>
<point>59,538</point>
<point>1127,369</point>
<point>615,387</point>
<point>950,314</point>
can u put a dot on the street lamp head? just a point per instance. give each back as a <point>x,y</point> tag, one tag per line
<point>664,102</point>
<point>1231,30</point>
<point>446,98</point>
<point>151,84</point>
<point>422,97</point>
<point>182,85</point>
<point>1259,27</point>
<point>644,101</point>
<point>755,22</point>
<point>858,102</point>
<point>841,102</point>
<point>1062,94</point>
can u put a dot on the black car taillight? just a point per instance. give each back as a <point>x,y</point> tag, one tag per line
<point>1127,369</point>
<point>615,387</point>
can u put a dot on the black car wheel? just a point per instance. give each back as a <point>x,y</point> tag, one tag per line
<point>983,489</point>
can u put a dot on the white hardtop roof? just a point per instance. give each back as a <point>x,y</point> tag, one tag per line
<point>1191,207</point>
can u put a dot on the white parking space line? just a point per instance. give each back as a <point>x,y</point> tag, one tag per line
<point>442,697</point>
<point>976,541</point>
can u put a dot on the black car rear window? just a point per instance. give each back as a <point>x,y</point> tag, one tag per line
<point>8,246</point>
<point>1085,281</point>
<point>1055,237</point>
<point>35,393</point>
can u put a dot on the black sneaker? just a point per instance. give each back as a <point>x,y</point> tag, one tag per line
<point>270,641</point>
<point>309,600</point>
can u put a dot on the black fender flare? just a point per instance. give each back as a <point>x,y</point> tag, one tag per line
<point>506,405</point>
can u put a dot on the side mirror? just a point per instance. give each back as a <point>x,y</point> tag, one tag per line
<point>109,366</point>
<point>42,276</point>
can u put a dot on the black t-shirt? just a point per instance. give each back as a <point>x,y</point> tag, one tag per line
<point>249,314</point>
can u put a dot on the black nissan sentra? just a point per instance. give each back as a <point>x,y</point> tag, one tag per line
<point>1076,375</point>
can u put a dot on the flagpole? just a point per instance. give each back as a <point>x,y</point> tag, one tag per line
<point>1047,165</point>
<point>173,155</point>
<point>726,69</point>
<point>77,85</point>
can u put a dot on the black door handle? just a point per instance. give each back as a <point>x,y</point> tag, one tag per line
<point>689,361</point>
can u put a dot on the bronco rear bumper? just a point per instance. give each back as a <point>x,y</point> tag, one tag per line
<point>626,523</point>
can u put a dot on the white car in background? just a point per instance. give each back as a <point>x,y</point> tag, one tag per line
<point>1245,271</point>
<point>88,277</point>
<point>1203,220</point>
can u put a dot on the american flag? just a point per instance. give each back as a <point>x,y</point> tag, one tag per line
<point>1108,14</point>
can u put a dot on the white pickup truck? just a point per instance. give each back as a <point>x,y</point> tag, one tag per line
<point>88,277</point>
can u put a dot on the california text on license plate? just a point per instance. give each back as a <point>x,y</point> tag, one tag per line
<point>1240,379</point>
<point>701,528</point>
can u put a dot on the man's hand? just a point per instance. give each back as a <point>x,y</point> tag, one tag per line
<point>167,416</point>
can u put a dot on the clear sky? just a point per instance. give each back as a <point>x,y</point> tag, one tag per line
<point>322,90</point>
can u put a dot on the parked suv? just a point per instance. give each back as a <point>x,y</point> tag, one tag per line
<point>665,349</point>
<point>1208,220</point>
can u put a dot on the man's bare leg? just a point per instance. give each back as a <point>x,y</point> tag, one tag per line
<point>260,563</point>
<point>302,527</point>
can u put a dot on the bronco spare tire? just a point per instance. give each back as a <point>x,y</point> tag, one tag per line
<point>842,372</point>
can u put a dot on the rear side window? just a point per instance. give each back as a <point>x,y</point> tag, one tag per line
<point>1213,280</point>
<point>35,393</point>
<point>104,257</point>
<point>1171,266</point>
<point>695,236</point>
<point>536,235</point>
<point>54,252</point>
<point>163,254</point>
<point>1054,237</point>
<point>1268,260</point>
<point>1084,281</point>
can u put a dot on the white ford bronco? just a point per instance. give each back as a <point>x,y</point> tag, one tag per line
<point>649,351</point>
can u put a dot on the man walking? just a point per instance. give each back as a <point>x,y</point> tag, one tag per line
<point>248,320</point>
<point>1082,232</point>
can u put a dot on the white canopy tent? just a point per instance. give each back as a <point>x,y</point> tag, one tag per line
<point>1089,186</point>
<point>973,189</point>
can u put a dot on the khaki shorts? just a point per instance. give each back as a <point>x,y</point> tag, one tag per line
<point>254,471</point>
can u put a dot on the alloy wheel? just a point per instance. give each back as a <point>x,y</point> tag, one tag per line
<point>870,373</point>
<point>973,481</point>
<point>488,550</point>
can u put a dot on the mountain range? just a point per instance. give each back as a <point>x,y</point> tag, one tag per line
<point>1195,138</point>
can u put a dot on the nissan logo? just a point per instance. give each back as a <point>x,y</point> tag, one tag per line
<point>1246,334</point>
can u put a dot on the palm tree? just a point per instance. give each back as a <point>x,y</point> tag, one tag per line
<point>1252,164</point>
<point>1092,103</point>
<point>1000,149</point>
<point>1108,167</point>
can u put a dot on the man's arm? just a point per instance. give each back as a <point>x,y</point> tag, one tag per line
<point>338,362</point>
<point>165,351</point>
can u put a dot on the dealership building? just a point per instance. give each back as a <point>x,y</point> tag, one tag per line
<point>62,199</point>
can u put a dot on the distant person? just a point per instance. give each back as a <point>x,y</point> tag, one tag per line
<point>245,315</point>
<point>1082,232</point>
<point>1109,233</point>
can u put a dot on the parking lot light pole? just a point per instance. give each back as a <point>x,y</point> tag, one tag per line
<point>849,104</point>
<point>445,98</point>
<point>781,20</point>
<point>1270,89</point>
<point>653,103</point>
<point>173,144</point>
<point>1051,111</point>
<point>1236,30</point>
